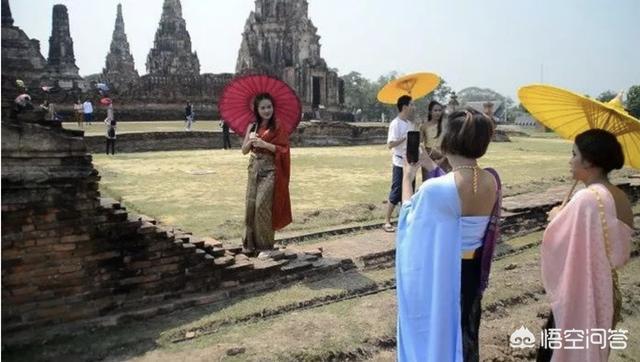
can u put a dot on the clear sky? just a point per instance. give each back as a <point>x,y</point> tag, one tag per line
<point>584,45</point>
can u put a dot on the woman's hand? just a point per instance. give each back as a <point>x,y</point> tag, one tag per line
<point>260,143</point>
<point>409,170</point>
<point>426,161</point>
<point>553,213</point>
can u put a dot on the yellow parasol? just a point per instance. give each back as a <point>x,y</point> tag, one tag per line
<point>569,114</point>
<point>416,85</point>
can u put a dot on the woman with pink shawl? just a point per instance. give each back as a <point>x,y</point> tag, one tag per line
<point>583,245</point>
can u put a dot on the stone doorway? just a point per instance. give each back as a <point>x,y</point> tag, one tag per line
<point>315,95</point>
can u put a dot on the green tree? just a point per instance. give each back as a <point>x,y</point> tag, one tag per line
<point>633,101</point>
<point>606,96</point>
<point>355,88</point>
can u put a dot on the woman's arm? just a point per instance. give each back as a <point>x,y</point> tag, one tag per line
<point>247,143</point>
<point>408,176</point>
<point>427,162</point>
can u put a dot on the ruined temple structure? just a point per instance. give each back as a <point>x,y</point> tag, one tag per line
<point>119,69</point>
<point>21,56</point>
<point>280,39</point>
<point>61,63</point>
<point>171,53</point>
<point>173,69</point>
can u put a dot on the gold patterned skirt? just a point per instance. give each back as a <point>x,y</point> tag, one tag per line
<point>259,233</point>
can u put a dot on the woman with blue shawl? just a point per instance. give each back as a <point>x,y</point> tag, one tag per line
<point>446,237</point>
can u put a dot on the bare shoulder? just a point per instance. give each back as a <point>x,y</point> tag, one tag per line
<point>623,205</point>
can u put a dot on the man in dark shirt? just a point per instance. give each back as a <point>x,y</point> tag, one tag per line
<point>225,135</point>
<point>188,115</point>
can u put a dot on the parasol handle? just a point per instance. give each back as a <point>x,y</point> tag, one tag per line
<point>566,198</point>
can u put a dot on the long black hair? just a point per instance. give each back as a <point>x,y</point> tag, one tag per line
<point>271,124</point>
<point>429,109</point>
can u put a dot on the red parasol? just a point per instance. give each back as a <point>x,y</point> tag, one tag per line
<point>106,101</point>
<point>236,102</point>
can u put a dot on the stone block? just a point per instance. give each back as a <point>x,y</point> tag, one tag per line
<point>296,266</point>
<point>290,255</point>
<point>224,261</point>
<point>211,242</point>
<point>217,251</point>
<point>233,249</point>
<point>240,265</point>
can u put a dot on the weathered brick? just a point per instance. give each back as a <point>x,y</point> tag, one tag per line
<point>47,241</point>
<point>139,279</point>
<point>75,238</point>
<point>162,269</point>
<point>63,247</point>
<point>140,264</point>
<point>102,256</point>
<point>171,260</point>
<point>69,268</point>
<point>24,291</point>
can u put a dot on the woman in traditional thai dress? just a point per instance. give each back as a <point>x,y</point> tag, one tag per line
<point>446,237</point>
<point>583,245</point>
<point>268,206</point>
<point>430,132</point>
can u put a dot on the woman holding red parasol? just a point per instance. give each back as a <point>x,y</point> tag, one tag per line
<point>265,111</point>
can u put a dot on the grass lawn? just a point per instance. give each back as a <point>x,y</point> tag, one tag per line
<point>203,191</point>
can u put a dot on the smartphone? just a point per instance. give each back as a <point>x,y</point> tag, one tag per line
<point>413,146</point>
<point>254,129</point>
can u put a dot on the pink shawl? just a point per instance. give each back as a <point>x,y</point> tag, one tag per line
<point>576,271</point>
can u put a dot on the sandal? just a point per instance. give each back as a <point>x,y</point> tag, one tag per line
<point>388,228</point>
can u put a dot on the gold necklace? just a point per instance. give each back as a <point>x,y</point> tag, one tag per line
<point>475,169</point>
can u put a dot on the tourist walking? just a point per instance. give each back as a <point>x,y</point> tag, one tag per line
<point>226,139</point>
<point>111,136</point>
<point>87,110</point>
<point>583,246</point>
<point>188,116</point>
<point>397,142</point>
<point>268,206</point>
<point>447,233</point>
<point>78,113</point>
<point>111,126</point>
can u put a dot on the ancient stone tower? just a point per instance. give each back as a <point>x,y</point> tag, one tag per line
<point>171,53</point>
<point>280,39</point>
<point>119,69</point>
<point>61,61</point>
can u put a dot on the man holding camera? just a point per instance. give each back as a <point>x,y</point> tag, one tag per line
<point>397,142</point>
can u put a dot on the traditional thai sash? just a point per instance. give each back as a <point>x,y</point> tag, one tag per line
<point>617,295</point>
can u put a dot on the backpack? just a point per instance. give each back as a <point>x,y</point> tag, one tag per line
<point>111,132</point>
